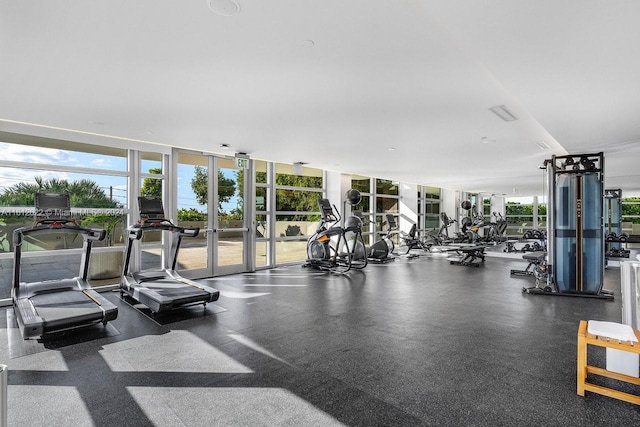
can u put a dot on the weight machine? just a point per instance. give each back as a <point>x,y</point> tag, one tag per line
<point>576,242</point>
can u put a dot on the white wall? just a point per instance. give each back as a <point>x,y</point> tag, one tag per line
<point>408,206</point>
<point>337,185</point>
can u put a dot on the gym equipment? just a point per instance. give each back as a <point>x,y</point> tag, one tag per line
<point>613,213</point>
<point>381,250</point>
<point>442,237</point>
<point>494,231</point>
<point>471,229</point>
<point>412,241</point>
<point>443,234</point>
<point>576,250</point>
<point>501,226</point>
<point>336,248</point>
<point>161,289</point>
<point>537,268</point>
<point>50,306</point>
<point>617,253</point>
<point>533,241</point>
<point>534,258</point>
<point>469,256</point>
<point>613,226</point>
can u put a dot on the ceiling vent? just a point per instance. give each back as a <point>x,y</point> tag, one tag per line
<point>502,112</point>
<point>543,145</point>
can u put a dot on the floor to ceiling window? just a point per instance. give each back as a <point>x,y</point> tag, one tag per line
<point>525,213</point>
<point>296,210</point>
<point>264,250</point>
<point>387,198</point>
<point>370,229</point>
<point>630,208</point>
<point>96,179</point>
<point>152,179</point>
<point>428,210</point>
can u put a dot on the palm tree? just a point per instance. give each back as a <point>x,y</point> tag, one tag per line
<point>84,193</point>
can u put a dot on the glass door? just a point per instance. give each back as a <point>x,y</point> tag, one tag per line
<point>231,223</point>
<point>211,195</point>
<point>192,203</point>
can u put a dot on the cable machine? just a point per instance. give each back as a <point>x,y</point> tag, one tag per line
<point>614,237</point>
<point>613,211</point>
<point>576,252</point>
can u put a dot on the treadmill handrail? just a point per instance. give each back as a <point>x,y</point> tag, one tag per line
<point>89,235</point>
<point>94,234</point>
<point>136,230</point>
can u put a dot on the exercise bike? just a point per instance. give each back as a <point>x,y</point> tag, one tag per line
<point>442,236</point>
<point>336,248</point>
<point>500,227</point>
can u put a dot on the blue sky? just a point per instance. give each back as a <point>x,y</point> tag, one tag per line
<point>110,184</point>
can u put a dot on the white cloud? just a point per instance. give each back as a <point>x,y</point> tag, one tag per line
<point>25,153</point>
<point>101,162</point>
<point>12,176</point>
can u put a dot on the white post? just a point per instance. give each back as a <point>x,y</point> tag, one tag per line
<point>3,395</point>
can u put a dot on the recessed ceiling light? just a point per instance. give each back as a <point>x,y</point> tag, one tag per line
<point>224,7</point>
<point>309,43</point>
<point>224,146</point>
<point>502,112</point>
<point>392,148</point>
<point>486,140</point>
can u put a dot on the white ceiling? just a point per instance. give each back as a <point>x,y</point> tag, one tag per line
<point>336,84</point>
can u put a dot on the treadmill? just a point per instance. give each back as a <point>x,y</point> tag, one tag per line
<point>163,289</point>
<point>61,304</point>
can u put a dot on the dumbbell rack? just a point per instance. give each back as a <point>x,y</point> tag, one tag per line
<point>615,252</point>
<point>614,237</point>
<point>534,241</point>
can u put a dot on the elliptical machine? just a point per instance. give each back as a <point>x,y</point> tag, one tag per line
<point>336,248</point>
<point>381,251</point>
<point>442,236</point>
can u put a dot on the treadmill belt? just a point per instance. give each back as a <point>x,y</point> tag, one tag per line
<point>175,290</point>
<point>61,298</point>
<point>68,307</point>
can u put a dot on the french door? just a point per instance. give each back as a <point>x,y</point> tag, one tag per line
<point>213,193</point>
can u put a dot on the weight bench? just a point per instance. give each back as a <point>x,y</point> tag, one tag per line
<point>625,339</point>
<point>469,255</point>
<point>534,258</point>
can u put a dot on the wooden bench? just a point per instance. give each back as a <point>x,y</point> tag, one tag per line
<point>584,340</point>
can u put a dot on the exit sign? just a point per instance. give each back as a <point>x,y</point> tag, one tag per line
<point>242,163</point>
